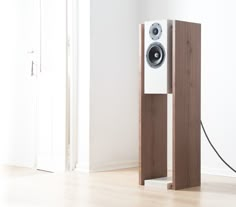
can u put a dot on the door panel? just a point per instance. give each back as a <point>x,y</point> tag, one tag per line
<point>51,107</point>
<point>18,38</point>
<point>33,103</point>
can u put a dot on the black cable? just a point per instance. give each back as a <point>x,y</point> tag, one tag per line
<point>216,150</point>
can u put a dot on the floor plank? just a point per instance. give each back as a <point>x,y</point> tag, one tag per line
<point>31,188</point>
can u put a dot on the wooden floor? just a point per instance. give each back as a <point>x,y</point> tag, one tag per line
<point>21,187</point>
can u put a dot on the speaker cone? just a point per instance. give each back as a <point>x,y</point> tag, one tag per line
<point>155,55</point>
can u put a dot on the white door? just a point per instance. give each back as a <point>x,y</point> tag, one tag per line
<point>33,83</point>
<point>18,52</point>
<point>51,90</point>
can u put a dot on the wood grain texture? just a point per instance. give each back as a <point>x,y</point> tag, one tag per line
<point>153,128</point>
<point>22,187</point>
<point>186,104</point>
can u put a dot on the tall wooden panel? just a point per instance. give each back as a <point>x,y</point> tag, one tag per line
<point>153,128</point>
<point>186,104</point>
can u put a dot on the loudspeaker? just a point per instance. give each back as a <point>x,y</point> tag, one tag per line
<point>157,57</point>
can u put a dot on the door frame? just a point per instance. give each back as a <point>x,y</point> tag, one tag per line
<point>70,87</point>
<point>72,84</point>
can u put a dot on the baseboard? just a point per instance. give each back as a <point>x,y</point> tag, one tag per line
<point>135,163</point>
<point>17,163</point>
<point>107,166</point>
<point>213,171</point>
<point>217,171</point>
<point>82,168</point>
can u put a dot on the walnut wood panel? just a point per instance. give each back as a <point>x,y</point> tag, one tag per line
<point>186,104</point>
<point>153,128</point>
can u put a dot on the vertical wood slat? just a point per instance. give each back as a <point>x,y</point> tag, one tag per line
<point>186,104</point>
<point>152,126</point>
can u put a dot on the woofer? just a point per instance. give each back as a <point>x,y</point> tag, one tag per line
<point>155,55</point>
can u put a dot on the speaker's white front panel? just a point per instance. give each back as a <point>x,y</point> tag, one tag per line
<point>156,78</point>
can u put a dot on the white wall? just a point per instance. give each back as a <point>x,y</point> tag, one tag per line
<point>112,116</point>
<point>218,71</point>
<point>114,84</point>
<point>108,129</point>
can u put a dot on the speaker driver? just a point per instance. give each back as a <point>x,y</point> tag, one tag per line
<point>155,55</point>
<point>155,31</point>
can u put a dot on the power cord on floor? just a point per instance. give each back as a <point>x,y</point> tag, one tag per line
<point>216,150</point>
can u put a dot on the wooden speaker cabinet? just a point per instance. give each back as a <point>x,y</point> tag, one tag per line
<point>186,92</point>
